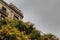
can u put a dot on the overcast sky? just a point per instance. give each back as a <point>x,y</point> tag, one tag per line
<point>45,14</point>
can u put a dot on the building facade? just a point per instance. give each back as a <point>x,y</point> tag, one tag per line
<point>10,11</point>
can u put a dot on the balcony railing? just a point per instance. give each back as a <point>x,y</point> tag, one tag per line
<point>4,13</point>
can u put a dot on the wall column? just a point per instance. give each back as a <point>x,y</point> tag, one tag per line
<point>11,15</point>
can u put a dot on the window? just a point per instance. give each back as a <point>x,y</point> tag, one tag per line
<point>4,9</point>
<point>16,17</point>
<point>2,16</point>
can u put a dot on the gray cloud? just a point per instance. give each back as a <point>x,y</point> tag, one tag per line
<point>44,13</point>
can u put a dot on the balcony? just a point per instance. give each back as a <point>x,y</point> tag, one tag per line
<point>3,13</point>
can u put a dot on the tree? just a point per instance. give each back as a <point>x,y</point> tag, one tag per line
<point>49,37</point>
<point>19,30</point>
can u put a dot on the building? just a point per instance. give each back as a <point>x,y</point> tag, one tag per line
<point>10,11</point>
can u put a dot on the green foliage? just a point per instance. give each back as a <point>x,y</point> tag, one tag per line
<point>35,35</point>
<point>19,30</point>
<point>49,37</point>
